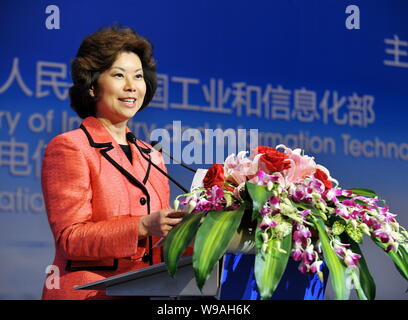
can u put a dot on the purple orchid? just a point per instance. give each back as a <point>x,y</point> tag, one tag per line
<point>351,258</point>
<point>267,223</point>
<point>383,234</point>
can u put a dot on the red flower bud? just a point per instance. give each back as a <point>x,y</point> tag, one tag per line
<point>214,176</point>
<point>319,174</point>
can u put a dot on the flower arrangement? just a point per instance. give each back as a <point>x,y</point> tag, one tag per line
<point>300,212</point>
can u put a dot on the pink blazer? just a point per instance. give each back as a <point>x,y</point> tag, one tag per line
<point>94,199</point>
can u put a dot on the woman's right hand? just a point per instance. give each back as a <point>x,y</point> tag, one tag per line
<point>159,223</point>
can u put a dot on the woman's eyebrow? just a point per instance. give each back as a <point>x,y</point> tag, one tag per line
<point>120,68</point>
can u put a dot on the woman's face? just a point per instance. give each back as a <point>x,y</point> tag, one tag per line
<point>121,89</point>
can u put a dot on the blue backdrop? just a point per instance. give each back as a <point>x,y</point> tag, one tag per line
<point>291,69</point>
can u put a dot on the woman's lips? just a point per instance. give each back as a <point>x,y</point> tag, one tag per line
<point>128,102</point>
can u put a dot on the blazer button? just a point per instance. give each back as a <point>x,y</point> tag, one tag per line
<point>143,201</point>
<point>146,257</point>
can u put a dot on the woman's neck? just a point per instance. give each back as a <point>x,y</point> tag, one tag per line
<point>117,130</point>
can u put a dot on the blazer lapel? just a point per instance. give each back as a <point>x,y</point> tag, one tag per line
<point>152,175</point>
<point>100,138</point>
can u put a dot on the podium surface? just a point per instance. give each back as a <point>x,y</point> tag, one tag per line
<point>155,281</point>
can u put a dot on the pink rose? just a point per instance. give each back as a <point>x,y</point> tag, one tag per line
<point>239,169</point>
<point>301,165</point>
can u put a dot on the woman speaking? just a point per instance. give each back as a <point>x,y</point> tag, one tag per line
<point>107,202</point>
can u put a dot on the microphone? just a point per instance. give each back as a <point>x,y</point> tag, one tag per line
<point>132,138</point>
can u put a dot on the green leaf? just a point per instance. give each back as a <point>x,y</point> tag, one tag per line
<point>354,273</point>
<point>259,195</point>
<point>212,240</point>
<point>366,280</point>
<point>364,192</point>
<point>354,233</point>
<point>336,267</point>
<point>303,206</point>
<point>404,253</point>
<point>361,202</point>
<point>341,198</point>
<point>270,265</point>
<point>338,227</point>
<point>400,259</point>
<point>178,239</point>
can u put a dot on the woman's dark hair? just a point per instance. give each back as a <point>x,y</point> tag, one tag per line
<point>97,54</point>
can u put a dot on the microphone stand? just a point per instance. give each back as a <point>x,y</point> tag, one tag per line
<point>176,161</point>
<point>132,138</point>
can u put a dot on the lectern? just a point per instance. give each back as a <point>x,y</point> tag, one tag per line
<point>155,281</point>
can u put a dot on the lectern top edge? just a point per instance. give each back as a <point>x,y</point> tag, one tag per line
<point>115,280</point>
